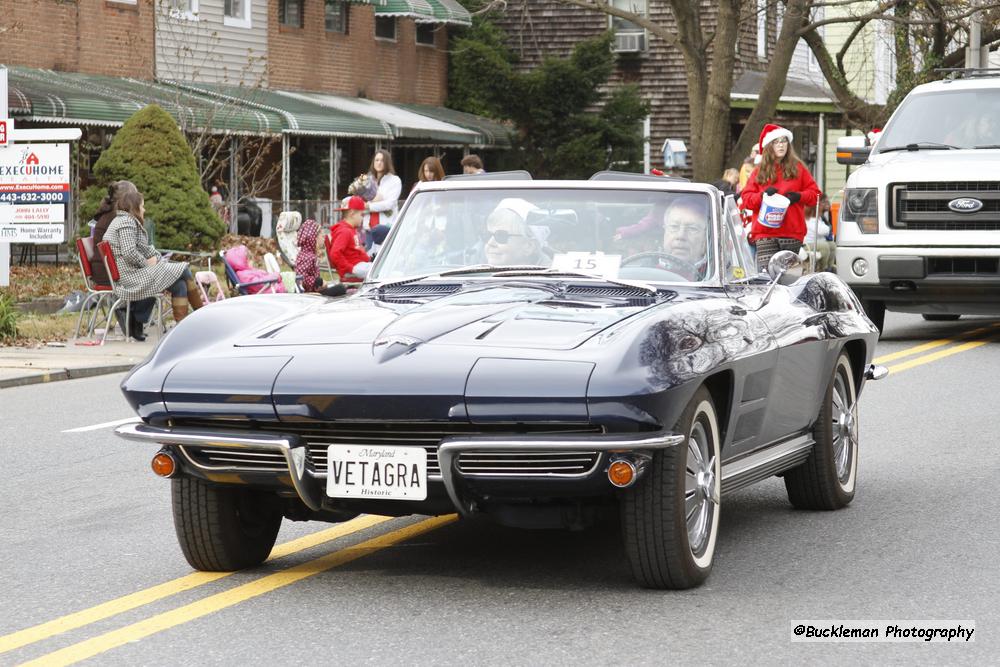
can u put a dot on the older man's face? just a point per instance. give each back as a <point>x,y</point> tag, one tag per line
<point>685,234</point>
<point>509,241</point>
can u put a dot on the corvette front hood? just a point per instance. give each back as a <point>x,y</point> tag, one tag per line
<point>494,316</point>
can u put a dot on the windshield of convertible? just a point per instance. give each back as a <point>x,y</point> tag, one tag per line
<point>614,234</point>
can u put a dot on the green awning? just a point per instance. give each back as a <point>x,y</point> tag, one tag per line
<point>415,9</point>
<point>301,117</point>
<point>70,98</point>
<point>450,11</point>
<point>407,126</point>
<point>492,133</point>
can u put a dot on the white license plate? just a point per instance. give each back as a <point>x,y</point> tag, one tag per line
<point>376,473</point>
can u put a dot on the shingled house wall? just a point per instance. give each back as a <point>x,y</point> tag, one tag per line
<point>549,28</point>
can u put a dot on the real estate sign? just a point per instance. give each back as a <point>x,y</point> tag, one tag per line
<point>34,192</point>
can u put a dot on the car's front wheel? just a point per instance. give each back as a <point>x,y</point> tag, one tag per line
<point>222,529</point>
<point>670,519</point>
<point>826,480</point>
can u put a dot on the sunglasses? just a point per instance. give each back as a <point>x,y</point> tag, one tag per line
<point>502,236</point>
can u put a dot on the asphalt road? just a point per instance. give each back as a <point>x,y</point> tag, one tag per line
<point>90,569</point>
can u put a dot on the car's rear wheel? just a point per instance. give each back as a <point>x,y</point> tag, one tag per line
<point>221,529</point>
<point>940,317</point>
<point>875,310</point>
<point>827,479</point>
<point>670,519</point>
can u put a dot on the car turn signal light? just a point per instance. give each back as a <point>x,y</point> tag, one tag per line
<point>163,464</point>
<point>621,474</point>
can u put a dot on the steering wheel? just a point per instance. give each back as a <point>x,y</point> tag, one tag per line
<point>666,261</point>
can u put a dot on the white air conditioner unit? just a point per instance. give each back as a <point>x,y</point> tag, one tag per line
<point>630,42</point>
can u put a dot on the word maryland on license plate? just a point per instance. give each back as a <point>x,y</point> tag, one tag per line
<point>391,473</point>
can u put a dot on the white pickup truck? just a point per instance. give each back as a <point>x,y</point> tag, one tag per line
<point>919,226</point>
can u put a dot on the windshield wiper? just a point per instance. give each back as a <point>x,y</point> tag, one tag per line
<point>490,268</point>
<point>514,272</point>
<point>474,268</point>
<point>929,145</point>
<point>988,146</point>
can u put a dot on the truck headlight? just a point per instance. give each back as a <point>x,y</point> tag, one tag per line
<point>861,206</point>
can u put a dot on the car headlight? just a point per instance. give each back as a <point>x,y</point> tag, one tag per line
<point>861,206</point>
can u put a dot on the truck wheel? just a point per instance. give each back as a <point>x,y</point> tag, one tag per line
<point>670,518</point>
<point>940,317</point>
<point>875,310</point>
<point>222,529</point>
<point>826,480</point>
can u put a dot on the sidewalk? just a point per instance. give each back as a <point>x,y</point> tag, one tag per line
<point>29,365</point>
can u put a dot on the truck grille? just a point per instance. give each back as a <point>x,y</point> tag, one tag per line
<point>924,206</point>
<point>319,436</point>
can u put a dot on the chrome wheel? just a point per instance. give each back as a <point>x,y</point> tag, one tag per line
<point>701,489</point>
<point>845,427</point>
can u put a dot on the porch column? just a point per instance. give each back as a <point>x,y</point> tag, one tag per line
<point>286,176</point>
<point>234,183</point>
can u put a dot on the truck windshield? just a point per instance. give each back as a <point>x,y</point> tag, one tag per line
<point>959,118</point>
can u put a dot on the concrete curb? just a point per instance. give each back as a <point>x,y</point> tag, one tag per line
<point>64,374</point>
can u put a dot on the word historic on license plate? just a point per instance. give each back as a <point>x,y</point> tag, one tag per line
<point>390,473</point>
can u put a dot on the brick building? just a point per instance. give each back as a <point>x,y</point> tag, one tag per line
<point>112,37</point>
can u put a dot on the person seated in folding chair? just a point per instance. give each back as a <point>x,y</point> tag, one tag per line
<point>346,251</point>
<point>143,273</point>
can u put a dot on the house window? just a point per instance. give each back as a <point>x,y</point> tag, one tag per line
<point>385,27</point>
<point>187,9</point>
<point>290,13</point>
<point>762,29</point>
<point>237,13</point>
<point>634,6</point>
<point>425,33</point>
<point>336,16</point>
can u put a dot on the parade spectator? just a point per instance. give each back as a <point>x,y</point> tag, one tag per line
<point>749,163</point>
<point>346,253</point>
<point>143,274</point>
<point>306,264</point>
<point>472,164</point>
<point>818,238</point>
<point>431,170</point>
<point>106,212</point>
<point>381,209</point>
<point>780,172</point>
<point>511,241</point>
<point>215,199</point>
<point>729,183</point>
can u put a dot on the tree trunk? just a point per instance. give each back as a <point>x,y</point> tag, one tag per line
<point>859,113</point>
<point>714,136</point>
<point>796,16</point>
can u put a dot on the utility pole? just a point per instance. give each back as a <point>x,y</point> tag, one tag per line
<point>976,55</point>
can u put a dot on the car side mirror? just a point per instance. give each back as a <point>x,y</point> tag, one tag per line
<point>785,267</point>
<point>853,150</point>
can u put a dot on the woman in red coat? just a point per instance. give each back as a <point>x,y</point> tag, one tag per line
<point>780,172</point>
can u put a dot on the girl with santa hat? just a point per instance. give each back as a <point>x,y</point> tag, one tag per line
<point>780,172</point>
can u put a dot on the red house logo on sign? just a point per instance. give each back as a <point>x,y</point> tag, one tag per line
<point>31,159</point>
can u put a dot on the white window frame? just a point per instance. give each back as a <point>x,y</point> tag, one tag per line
<point>124,2</point>
<point>346,9</point>
<point>762,29</point>
<point>431,44</point>
<point>237,22</point>
<point>190,14</point>
<point>395,29</point>
<point>644,12</point>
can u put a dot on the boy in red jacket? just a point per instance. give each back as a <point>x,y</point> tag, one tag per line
<point>780,171</point>
<point>346,252</point>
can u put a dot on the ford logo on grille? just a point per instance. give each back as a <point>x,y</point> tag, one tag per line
<point>965,205</point>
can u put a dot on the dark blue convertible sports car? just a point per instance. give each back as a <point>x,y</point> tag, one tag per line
<point>535,351</point>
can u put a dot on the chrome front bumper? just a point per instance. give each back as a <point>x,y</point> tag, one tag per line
<point>309,485</point>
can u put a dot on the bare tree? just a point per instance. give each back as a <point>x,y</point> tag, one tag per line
<point>189,52</point>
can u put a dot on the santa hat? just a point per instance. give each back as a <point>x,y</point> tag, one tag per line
<point>772,132</point>
<point>874,135</point>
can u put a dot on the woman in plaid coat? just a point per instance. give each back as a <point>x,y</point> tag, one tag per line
<point>143,273</point>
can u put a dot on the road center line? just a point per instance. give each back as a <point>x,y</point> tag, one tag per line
<point>930,345</point>
<point>149,595</point>
<point>934,356</point>
<point>97,427</point>
<point>213,603</point>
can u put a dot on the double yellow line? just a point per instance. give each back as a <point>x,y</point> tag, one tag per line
<point>189,612</point>
<point>981,336</point>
